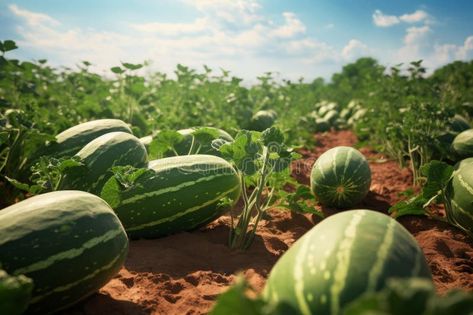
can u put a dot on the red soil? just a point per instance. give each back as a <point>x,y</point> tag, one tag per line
<point>184,273</point>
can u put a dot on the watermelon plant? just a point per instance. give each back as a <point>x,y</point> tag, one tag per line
<point>340,177</point>
<point>346,255</point>
<point>447,185</point>
<point>71,234</point>
<point>174,194</point>
<point>261,159</point>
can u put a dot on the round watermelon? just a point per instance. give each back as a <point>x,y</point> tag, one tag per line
<point>346,255</point>
<point>463,144</point>
<point>262,120</point>
<point>340,177</point>
<point>460,196</point>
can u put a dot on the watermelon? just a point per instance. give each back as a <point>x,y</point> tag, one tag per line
<point>323,110</point>
<point>177,194</point>
<point>184,147</point>
<point>70,243</point>
<point>263,119</point>
<point>146,140</point>
<point>101,154</point>
<point>340,177</point>
<point>459,195</point>
<point>463,144</point>
<point>72,140</point>
<point>321,125</point>
<point>331,116</point>
<point>459,124</point>
<point>344,256</point>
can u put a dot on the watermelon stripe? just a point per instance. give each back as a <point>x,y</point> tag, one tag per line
<point>299,278</point>
<point>69,254</point>
<point>343,261</point>
<point>458,207</point>
<point>383,252</point>
<point>180,214</point>
<point>347,163</point>
<point>465,184</point>
<point>82,280</point>
<point>140,197</point>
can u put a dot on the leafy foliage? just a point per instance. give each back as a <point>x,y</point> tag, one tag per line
<point>436,176</point>
<point>262,159</point>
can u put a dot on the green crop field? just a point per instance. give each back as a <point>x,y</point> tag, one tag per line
<point>91,164</point>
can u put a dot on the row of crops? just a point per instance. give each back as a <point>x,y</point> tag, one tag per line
<point>102,161</point>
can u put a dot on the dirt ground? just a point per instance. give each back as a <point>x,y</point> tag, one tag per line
<point>184,273</point>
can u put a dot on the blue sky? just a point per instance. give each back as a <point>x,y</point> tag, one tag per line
<point>295,38</point>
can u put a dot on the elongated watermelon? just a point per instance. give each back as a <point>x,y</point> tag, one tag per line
<point>340,177</point>
<point>460,196</point>
<point>101,154</point>
<point>72,140</point>
<point>178,194</point>
<point>341,258</point>
<point>70,243</point>
<point>463,144</point>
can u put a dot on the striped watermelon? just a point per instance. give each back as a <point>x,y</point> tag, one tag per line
<point>460,196</point>
<point>463,144</point>
<point>341,258</point>
<point>72,140</point>
<point>263,119</point>
<point>102,153</point>
<point>340,177</point>
<point>70,243</point>
<point>181,193</point>
<point>184,147</point>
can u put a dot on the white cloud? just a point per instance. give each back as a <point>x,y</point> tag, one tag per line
<point>259,44</point>
<point>33,18</point>
<point>233,12</point>
<point>417,16</point>
<point>416,35</point>
<point>383,20</point>
<point>354,49</point>
<point>448,52</point>
<point>329,26</point>
<point>173,29</point>
<point>292,26</point>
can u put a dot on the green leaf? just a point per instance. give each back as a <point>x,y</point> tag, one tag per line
<point>7,45</point>
<point>131,66</point>
<point>164,142</point>
<point>234,301</point>
<point>117,70</point>
<point>273,137</point>
<point>438,175</point>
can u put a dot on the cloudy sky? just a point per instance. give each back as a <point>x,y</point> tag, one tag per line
<point>296,38</point>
